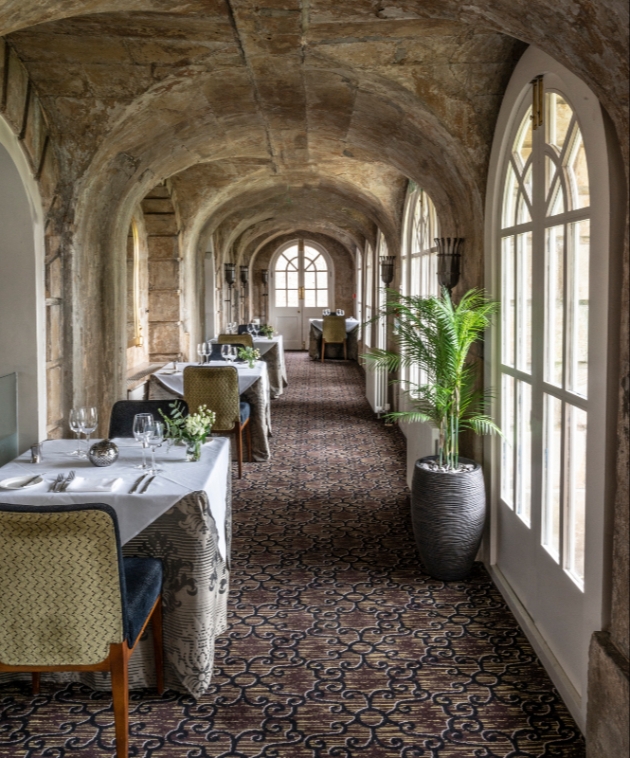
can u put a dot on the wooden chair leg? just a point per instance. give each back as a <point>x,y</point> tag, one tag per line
<point>119,662</point>
<point>239,450</point>
<point>158,649</point>
<point>36,676</point>
<point>248,428</point>
<point>323,348</point>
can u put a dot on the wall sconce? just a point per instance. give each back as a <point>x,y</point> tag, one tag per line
<point>230,274</point>
<point>264,275</point>
<point>449,257</point>
<point>244,275</point>
<point>387,269</point>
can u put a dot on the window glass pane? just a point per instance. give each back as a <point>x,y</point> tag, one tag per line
<point>322,298</point>
<point>578,173</point>
<point>551,169</point>
<point>310,253</point>
<point>523,142</point>
<point>524,451</point>
<point>281,280</point>
<point>292,279</point>
<point>415,275</point>
<point>552,475</point>
<point>576,491</point>
<point>578,305</point>
<point>508,427</point>
<point>322,279</point>
<point>310,298</point>
<point>281,298</point>
<point>556,200</point>
<point>507,301</point>
<point>527,182</point>
<point>554,311</point>
<point>309,279</point>
<point>292,299</point>
<point>558,118</point>
<point>524,301</point>
<point>509,197</point>
<point>281,263</point>
<point>523,216</point>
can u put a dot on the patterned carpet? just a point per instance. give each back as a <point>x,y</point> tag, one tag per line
<point>338,646</point>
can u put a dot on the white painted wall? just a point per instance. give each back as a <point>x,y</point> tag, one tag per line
<point>22,303</point>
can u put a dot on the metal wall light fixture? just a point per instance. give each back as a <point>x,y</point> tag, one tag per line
<point>229,270</point>
<point>244,281</point>
<point>264,275</point>
<point>449,258</point>
<point>387,269</point>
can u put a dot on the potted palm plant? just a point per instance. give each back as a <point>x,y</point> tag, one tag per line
<point>448,501</point>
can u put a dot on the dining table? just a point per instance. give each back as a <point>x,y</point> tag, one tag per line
<point>253,387</point>
<point>333,350</point>
<point>183,516</point>
<point>271,351</point>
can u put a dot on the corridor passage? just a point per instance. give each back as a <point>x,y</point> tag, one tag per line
<point>337,645</point>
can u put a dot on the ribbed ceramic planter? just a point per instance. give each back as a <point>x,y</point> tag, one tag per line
<point>448,512</point>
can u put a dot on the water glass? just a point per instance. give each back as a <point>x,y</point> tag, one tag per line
<point>143,427</point>
<point>200,348</point>
<point>155,440</point>
<point>89,423</point>
<point>75,421</point>
<point>206,350</point>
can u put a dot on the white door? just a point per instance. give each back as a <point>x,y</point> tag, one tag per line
<point>549,518</point>
<point>301,287</point>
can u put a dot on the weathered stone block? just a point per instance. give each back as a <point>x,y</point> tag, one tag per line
<point>164,305</point>
<point>163,247</point>
<point>163,275</point>
<point>54,322</point>
<point>54,385</point>
<point>54,284</point>
<point>160,223</point>
<point>16,92</point>
<point>163,338</point>
<point>35,133</point>
<point>608,722</point>
<point>157,205</point>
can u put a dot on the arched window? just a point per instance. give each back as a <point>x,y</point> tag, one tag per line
<point>548,199</point>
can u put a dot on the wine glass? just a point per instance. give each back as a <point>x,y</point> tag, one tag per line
<point>89,423</point>
<point>205,351</point>
<point>155,440</point>
<point>233,353</point>
<point>143,426</point>
<point>200,348</point>
<point>75,421</point>
<point>226,352</point>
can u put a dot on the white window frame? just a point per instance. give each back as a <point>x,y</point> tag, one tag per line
<point>536,63</point>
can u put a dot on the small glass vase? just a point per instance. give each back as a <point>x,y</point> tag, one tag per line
<point>193,450</point>
<point>251,363</point>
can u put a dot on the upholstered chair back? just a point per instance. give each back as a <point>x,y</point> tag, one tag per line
<point>334,329</point>
<point>123,412</point>
<point>61,585</point>
<point>245,340</point>
<point>242,328</point>
<point>217,388</point>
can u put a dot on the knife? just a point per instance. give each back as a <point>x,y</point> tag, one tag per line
<point>136,483</point>
<point>146,485</point>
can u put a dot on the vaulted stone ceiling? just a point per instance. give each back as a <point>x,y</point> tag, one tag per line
<point>278,114</point>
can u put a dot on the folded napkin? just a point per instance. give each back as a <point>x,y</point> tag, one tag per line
<point>80,484</point>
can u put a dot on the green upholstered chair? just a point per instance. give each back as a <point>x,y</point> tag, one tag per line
<point>334,332</point>
<point>71,602</point>
<point>217,388</point>
<point>246,340</point>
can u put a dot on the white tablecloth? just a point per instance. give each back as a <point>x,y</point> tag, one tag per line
<point>174,382</point>
<point>135,512</point>
<point>351,323</point>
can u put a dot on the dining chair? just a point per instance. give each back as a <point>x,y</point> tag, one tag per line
<point>242,328</point>
<point>217,388</point>
<point>123,412</point>
<point>245,340</point>
<point>215,355</point>
<point>71,602</point>
<point>334,333</point>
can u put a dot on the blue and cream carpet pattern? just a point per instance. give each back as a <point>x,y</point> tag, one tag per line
<point>338,645</point>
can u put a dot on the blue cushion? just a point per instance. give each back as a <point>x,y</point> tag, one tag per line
<point>143,579</point>
<point>245,409</point>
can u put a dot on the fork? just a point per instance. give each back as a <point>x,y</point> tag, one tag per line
<point>56,483</point>
<point>69,478</point>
